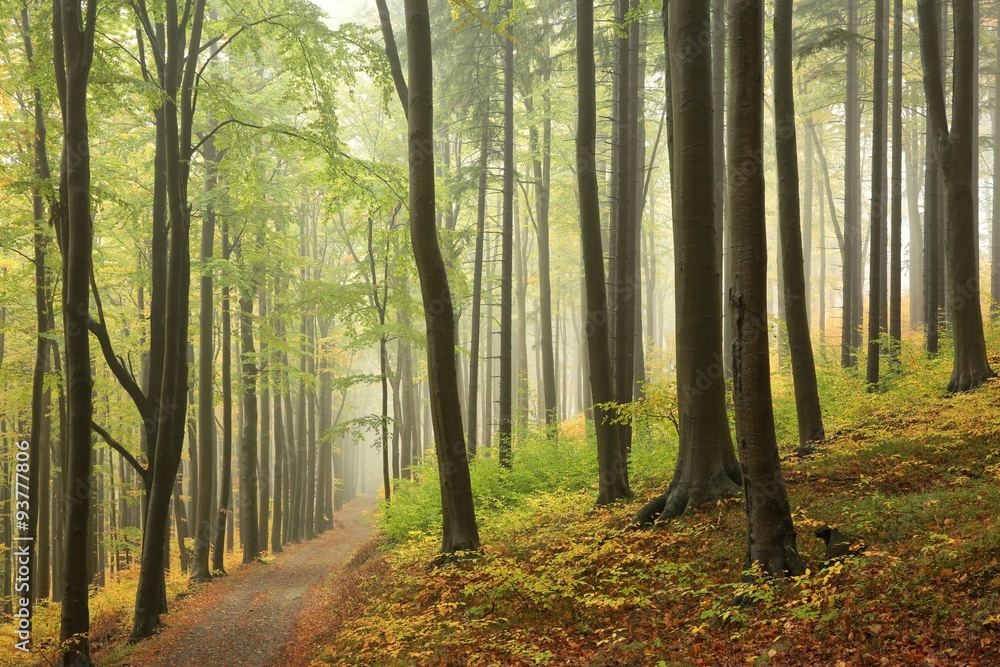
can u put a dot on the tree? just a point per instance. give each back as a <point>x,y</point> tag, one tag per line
<point>771,543</point>
<point>38,479</point>
<point>477,282</point>
<point>896,228</point>
<point>706,463</point>
<point>248,435</point>
<point>205,515</point>
<point>795,278</point>
<point>612,481</point>
<point>506,417</point>
<point>625,247</point>
<point>458,512</point>
<point>73,53</point>
<point>953,148</point>
<point>851,317</point>
<point>177,63</point>
<point>876,279</point>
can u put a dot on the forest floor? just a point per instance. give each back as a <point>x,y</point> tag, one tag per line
<point>259,615</point>
<point>913,474</point>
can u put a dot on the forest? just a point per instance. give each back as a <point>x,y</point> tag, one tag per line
<point>519,332</point>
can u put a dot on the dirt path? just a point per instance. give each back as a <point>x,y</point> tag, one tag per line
<point>248,618</point>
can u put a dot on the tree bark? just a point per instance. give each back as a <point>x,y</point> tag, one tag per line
<point>477,283</point>
<point>995,222</point>
<point>796,291</point>
<point>178,76</point>
<point>507,256</point>
<point>706,466</point>
<point>200,571</point>
<point>612,480</point>
<point>624,300</point>
<point>896,229</point>
<point>264,481</point>
<point>225,486</point>
<point>771,534</point>
<point>460,531</point>
<point>73,37</point>
<point>876,241</point>
<point>850,319</point>
<point>954,151</point>
<point>248,438</point>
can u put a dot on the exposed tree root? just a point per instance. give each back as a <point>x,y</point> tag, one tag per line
<point>682,498</point>
<point>966,379</point>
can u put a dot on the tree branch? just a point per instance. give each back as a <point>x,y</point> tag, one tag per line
<point>124,377</point>
<point>118,447</point>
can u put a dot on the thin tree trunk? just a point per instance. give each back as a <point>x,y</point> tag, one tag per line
<point>248,438</point>
<point>876,279</point>
<point>206,382</point>
<point>507,257</point>
<point>995,223</point>
<point>477,283</point>
<point>279,453</point>
<point>264,478</point>
<point>225,477</point>
<point>612,480</point>
<point>852,223</point>
<point>896,233</point>
<point>796,291</point>
<point>916,253</point>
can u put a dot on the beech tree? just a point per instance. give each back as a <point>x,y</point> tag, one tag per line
<point>73,53</point>
<point>612,480</point>
<point>706,463</point>
<point>953,150</point>
<point>771,534</point>
<point>460,531</point>
<point>796,278</point>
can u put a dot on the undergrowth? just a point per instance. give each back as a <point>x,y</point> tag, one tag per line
<point>913,474</point>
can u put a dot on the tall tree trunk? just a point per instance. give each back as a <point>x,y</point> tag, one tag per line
<point>954,150</point>
<point>932,246</point>
<point>796,291</point>
<point>248,438</point>
<point>460,531</point>
<point>206,381</point>
<point>542,173</point>
<point>264,492</point>
<point>38,477</point>
<point>995,223</point>
<point>771,543</point>
<point>876,241</point>
<point>612,480</point>
<point>624,300</point>
<point>178,78</point>
<point>723,224</point>
<point>706,463</point>
<point>896,232</point>
<point>225,487</point>
<point>73,38</point>
<point>916,250</point>
<point>507,255</point>
<point>852,223</point>
<point>279,452</point>
<point>477,283</point>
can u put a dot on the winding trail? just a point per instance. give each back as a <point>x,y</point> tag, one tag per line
<point>249,617</point>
